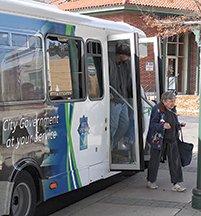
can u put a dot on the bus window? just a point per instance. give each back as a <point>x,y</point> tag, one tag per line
<point>65,68</point>
<point>94,68</point>
<point>20,63</point>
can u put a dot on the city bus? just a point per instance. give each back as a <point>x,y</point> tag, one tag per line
<point>55,102</point>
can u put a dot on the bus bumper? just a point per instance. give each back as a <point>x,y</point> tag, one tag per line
<point>6,189</point>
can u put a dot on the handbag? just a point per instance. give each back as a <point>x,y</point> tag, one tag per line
<point>185,151</point>
<point>157,141</point>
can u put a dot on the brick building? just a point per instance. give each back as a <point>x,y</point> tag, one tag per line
<point>180,53</point>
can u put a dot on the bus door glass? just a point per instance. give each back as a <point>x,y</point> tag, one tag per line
<point>151,81</point>
<point>125,132</point>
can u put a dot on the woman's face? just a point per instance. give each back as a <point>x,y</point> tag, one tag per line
<point>169,104</point>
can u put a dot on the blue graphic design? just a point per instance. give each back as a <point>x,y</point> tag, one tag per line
<point>59,165</point>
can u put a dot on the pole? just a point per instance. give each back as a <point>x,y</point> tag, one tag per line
<point>196,198</point>
<point>197,39</point>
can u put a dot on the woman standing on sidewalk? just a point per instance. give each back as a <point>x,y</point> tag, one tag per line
<point>163,135</point>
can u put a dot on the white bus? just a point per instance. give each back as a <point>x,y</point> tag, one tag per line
<point>55,103</point>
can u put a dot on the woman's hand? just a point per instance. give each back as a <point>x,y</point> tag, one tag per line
<point>182,124</point>
<point>166,126</point>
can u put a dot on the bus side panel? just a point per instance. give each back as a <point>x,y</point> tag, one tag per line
<point>61,161</point>
<point>79,153</point>
<point>64,140</point>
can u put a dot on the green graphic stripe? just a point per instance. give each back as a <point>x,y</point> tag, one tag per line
<point>68,127</point>
<point>68,30</point>
<point>69,117</point>
<point>71,148</point>
<point>69,110</point>
<point>68,148</point>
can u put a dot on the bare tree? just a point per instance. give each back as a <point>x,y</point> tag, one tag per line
<point>172,25</point>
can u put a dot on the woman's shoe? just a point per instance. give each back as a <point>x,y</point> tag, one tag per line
<point>151,185</point>
<point>178,188</point>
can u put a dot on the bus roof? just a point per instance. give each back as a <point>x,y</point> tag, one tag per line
<point>52,13</point>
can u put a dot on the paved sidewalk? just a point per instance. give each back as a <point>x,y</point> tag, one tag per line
<point>130,197</point>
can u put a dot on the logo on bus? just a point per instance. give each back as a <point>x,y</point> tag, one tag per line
<point>83,131</point>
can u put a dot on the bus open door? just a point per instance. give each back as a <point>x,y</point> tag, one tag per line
<point>128,142</point>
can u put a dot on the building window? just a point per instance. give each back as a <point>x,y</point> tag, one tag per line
<point>19,40</point>
<point>94,69</point>
<point>4,39</point>
<point>175,62</point>
<point>65,68</point>
<point>175,46</point>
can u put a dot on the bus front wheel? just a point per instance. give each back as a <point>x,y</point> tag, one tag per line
<point>23,200</point>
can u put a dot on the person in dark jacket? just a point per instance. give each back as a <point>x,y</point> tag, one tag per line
<point>163,133</point>
<point>120,92</point>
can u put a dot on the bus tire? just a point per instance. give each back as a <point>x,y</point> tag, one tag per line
<point>23,200</point>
